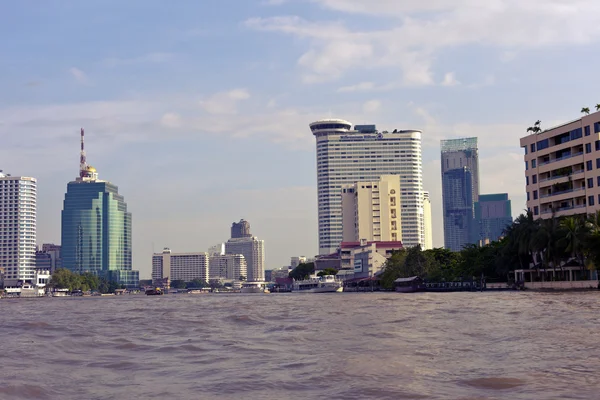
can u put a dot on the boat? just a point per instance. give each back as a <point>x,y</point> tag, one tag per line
<point>254,287</point>
<point>318,284</point>
<point>154,292</point>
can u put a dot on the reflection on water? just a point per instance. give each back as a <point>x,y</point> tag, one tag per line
<point>280,346</point>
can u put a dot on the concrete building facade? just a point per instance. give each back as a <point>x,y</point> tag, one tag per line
<point>227,266</point>
<point>562,168</point>
<point>460,190</point>
<point>179,266</point>
<point>18,212</point>
<point>427,222</point>
<point>347,154</point>
<point>253,251</point>
<point>371,210</point>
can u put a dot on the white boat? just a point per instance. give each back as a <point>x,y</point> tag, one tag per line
<point>318,284</point>
<point>254,287</point>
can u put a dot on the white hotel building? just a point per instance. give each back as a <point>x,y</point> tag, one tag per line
<point>346,155</point>
<point>17,228</point>
<point>179,266</point>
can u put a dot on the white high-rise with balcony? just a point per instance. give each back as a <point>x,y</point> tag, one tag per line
<point>347,154</point>
<point>17,228</point>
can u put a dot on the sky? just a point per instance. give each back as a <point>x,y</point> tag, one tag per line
<point>199,110</point>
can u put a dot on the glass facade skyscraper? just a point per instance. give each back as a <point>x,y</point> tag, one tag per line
<point>460,190</point>
<point>96,229</point>
<point>492,215</point>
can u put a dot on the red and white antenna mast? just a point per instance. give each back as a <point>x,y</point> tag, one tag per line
<point>82,162</point>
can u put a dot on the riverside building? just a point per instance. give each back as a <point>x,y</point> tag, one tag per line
<point>227,266</point>
<point>562,168</point>
<point>167,266</point>
<point>428,244</point>
<point>18,205</point>
<point>253,249</point>
<point>96,228</point>
<point>371,210</point>
<point>460,190</point>
<point>346,155</point>
<point>493,215</point>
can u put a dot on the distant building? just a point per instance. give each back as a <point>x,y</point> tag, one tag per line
<point>493,215</point>
<point>250,247</point>
<point>218,249</point>
<point>365,259</point>
<point>179,266</point>
<point>18,206</point>
<point>371,210</point>
<point>48,258</point>
<point>96,228</point>
<point>227,266</point>
<point>347,154</point>
<point>240,229</point>
<point>295,261</point>
<point>562,168</point>
<point>427,222</point>
<point>460,190</point>
<point>273,274</point>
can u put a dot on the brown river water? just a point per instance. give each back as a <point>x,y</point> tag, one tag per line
<point>509,345</point>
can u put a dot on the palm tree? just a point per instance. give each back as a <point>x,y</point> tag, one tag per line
<point>585,110</point>
<point>574,234</point>
<point>598,107</point>
<point>535,128</point>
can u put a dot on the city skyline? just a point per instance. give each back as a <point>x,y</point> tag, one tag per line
<point>220,97</point>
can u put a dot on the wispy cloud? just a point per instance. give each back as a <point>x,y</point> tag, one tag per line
<point>150,58</point>
<point>79,75</point>
<point>450,80</point>
<point>224,102</point>
<point>371,106</point>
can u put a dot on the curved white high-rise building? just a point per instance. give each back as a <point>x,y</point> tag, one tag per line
<point>347,154</point>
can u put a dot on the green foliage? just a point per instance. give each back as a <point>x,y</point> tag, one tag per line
<point>302,271</point>
<point>328,271</point>
<point>196,283</point>
<point>63,278</point>
<point>178,284</point>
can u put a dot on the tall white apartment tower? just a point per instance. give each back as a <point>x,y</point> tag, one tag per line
<point>347,154</point>
<point>17,228</point>
<point>428,245</point>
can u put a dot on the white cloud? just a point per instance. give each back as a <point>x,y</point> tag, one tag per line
<point>359,87</point>
<point>450,80</point>
<point>224,102</point>
<point>413,32</point>
<point>371,106</point>
<point>171,120</point>
<point>79,75</point>
<point>150,58</point>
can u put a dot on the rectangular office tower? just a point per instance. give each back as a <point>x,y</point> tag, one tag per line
<point>18,207</point>
<point>179,266</point>
<point>460,190</point>
<point>562,168</point>
<point>346,155</point>
<point>493,215</point>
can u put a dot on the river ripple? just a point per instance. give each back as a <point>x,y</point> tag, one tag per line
<point>510,345</point>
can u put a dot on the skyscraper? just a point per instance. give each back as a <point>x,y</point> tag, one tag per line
<point>96,228</point>
<point>460,190</point>
<point>427,222</point>
<point>240,229</point>
<point>346,155</point>
<point>371,210</point>
<point>492,215</point>
<point>18,197</point>
<point>253,251</point>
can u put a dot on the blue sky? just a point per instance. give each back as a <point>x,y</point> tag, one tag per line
<point>199,110</point>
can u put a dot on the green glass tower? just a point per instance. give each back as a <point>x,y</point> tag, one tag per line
<point>96,229</point>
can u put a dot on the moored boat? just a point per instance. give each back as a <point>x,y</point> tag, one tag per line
<point>318,284</point>
<point>254,287</point>
<point>154,292</point>
<point>408,285</point>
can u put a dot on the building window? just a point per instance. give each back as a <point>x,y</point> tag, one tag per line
<point>528,192</point>
<point>542,144</point>
<point>596,127</point>
<point>588,165</point>
<point>598,181</point>
<point>527,180</point>
<point>590,183</point>
<point>588,148</point>
<point>535,194</point>
<point>536,210</point>
<point>597,163</point>
<point>526,165</point>
<point>532,147</point>
<point>590,200</point>
<point>525,150</point>
<point>533,163</point>
<point>597,145</point>
<point>587,130</point>
<point>534,179</point>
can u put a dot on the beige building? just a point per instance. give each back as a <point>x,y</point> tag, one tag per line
<point>371,210</point>
<point>562,168</point>
<point>179,266</point>
<point>428,245</point>
<point>227,266</point>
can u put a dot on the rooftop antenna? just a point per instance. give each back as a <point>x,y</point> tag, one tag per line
<point>82,161</point>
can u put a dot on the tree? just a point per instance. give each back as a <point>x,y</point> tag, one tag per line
<point>196,283</point>
<point>585,110</point>
<point>328,271</point>
<point>598,107</point>
<point>393,269</point>
<point>574,233</point>
<point>178,284</point>
<point>535,128</point>
<point>302,271</point>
